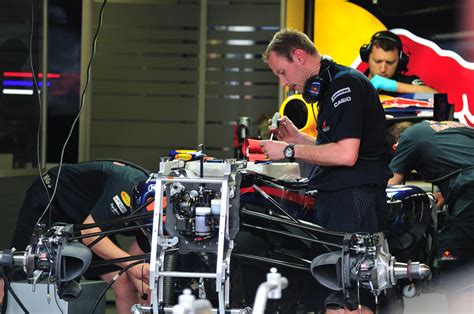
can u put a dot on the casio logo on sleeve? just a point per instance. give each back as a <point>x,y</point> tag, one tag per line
<point>338,94</point>
<point>341,101</point>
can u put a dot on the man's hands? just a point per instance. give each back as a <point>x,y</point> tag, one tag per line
<point>140,271</point>
<point>285,130</point>
<point>139,275</point>
<point>273,149</point>
<point>439,199</point>
<point>383,83</point>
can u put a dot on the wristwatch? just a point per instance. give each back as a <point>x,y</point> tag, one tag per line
<point>289,152</point>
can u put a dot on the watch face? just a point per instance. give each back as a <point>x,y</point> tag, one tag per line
<point>289,152</point>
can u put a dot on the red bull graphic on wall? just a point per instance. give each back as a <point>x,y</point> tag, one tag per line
<point>441,69</point>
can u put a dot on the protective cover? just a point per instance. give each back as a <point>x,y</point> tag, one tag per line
<point>290,195</point>
<point>412,228</point>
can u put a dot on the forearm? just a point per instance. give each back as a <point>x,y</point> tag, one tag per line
<point>404,88</point>
<point>332,154</point>
<point>105,248</point>
<point>390,85</point>
<point>305,139</point>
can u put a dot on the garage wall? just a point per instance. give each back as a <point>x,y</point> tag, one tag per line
<point>12,193</point>
<point>145,86</point>
<point>238,83</point>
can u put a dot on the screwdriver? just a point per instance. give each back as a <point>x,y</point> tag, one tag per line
<point>275,123</point>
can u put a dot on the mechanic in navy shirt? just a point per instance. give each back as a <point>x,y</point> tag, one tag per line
<point>351,150</point>
<point>443,153</point>
<point>90,192</point>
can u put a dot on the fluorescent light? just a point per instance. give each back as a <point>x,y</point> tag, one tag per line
<point>8,91</point>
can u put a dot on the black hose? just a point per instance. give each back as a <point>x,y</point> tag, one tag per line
<point>10,289</point>
<point>100,233</point>
<point>114,221</point>
<point>168,282</point>
<point>111,282</point>
<point>114,261</point>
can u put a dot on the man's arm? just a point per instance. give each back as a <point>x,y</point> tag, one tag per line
<point>107,249</point>
<point>396,179</point>
<point>390,85</point>
<point>405,88</point>
<point>344,152</point>
<point>341,153</point>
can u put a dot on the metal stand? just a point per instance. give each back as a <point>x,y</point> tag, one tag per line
<point>161,242</point>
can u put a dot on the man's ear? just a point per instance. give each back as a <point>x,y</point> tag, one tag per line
<point>299,56</point>
<point>394,147</point>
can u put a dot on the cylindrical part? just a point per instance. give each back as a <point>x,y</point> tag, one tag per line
<point>274,277</point>
<point>186,300</point>
<point>185,274</point>
<point>216,206</point>
<point>245,127</point>
<point>140,309</point>
<point>413,270</point>
<point>202,227</point>
<point>400,270</point>
<point>419,270</point>
<point>19,260</point>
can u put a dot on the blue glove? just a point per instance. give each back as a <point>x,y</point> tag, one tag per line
<point>383,83</point>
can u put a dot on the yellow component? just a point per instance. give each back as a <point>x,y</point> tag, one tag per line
<point>125,198</point>
<point>300,113</point>
<point>186,151</point>
<point>341,27</point>
<point>295,14</point>
<point>183,156</point>
<point>383,97</point>
<point>294,19</point>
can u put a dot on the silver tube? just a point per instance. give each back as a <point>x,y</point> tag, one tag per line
<point>44,89</point>
<point>184,274</point>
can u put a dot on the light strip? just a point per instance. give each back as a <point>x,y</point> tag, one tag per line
<point>22,83</point>
<point>29,74</point>
<point>9,91</point>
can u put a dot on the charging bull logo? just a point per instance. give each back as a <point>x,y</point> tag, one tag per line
<point>443,70</point>
<point>314,89</point>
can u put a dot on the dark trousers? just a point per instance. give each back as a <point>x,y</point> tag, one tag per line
<point>355,209</point>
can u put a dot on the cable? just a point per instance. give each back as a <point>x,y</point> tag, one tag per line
<point>56,298</point>
<point>144,296</point>
<point>307,225</point>
<point>271,261</point>
<point>114,221</point>
<point>133,217</point>
<point>9,288</point>
<point>81,106</point>
<point>275,203</point>
<point>111,282</point>
<point>98,263</point>
<point>38,131</point>
<point>450,174</point>
<point>289,234</point>
<point>111,230</point>
<point>100,233</point>
<point>104,234</point>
